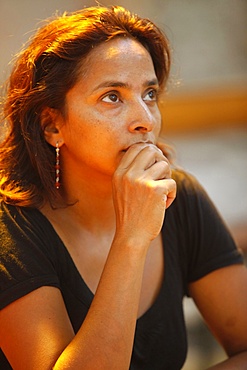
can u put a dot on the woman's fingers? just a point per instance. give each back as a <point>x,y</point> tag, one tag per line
<point>158,171</point>
<point>143,189</point>
<point>143,157</point>
<point>169,189</point>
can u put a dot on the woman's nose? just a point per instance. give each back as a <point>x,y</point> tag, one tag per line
<point>141,118</point>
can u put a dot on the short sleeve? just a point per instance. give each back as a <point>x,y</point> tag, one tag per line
<point>206,242</point>
<point>25,263</point>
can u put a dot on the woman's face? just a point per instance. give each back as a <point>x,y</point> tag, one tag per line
<point>112,106</point>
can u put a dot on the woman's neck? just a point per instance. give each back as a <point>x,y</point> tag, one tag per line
<point>91,205</point>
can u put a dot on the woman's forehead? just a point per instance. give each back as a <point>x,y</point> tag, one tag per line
<point>119,53</point>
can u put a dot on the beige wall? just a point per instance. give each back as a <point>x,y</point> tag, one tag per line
<point>208,36</point>
<point>208,84</point>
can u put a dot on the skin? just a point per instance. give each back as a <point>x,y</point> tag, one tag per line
<point>110,164</point>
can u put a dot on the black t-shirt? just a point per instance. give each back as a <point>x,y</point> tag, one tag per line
<point>195,241</point>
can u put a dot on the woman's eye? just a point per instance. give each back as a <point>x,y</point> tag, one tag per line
<point>151,95</point>
<point>111,98</point>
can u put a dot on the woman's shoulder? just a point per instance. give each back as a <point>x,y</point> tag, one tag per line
<point>7,210</point>
<point>192,198</point>
<point>183,178</point>
<point>28,254</point>
<point>24,215</point>
<point>19,225</point>
<point>187,184</point>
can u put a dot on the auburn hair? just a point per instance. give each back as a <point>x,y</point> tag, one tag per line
<point>42,75</point>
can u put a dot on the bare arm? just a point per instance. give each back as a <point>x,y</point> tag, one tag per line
<point>221,297</point>
<point>38,322</point>
<point>36,331</point>
<point>235,362</point>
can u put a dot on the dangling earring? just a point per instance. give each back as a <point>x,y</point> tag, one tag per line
<point>57,167</point>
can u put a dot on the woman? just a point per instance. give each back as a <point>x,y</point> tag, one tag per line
<point>96,255</point>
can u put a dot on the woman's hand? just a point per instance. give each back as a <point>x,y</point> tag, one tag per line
<point>142,190</point>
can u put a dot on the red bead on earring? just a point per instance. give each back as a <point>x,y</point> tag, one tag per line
<point>57,167</point>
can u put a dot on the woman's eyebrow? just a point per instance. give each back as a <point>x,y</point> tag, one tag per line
<point>153,82</point>
<point>106,84</point>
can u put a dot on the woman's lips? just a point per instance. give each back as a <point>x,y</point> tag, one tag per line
<point>139,142</point>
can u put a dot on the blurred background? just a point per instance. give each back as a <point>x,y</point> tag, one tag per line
<point>204,112</point>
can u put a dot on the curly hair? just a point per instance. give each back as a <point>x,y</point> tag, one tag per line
<point>42,75</point>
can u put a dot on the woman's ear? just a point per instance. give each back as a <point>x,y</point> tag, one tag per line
<point>51,121</point>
